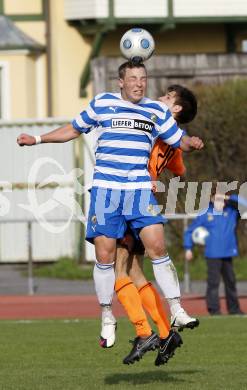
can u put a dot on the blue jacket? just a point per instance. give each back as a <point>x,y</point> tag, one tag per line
<point>222,240</point>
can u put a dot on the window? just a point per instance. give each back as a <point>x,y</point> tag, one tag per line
<point>1,98</point>
<point>244,46</point>
<point>4,90</point>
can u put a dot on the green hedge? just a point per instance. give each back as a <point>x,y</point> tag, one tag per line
<point>221,122</point>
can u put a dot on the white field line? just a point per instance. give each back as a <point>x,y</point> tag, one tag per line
<point>77,320</point>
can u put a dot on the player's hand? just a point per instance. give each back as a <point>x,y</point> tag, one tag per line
<point>154,187</point>
<point>25,139</point>
<point>188,144</point>
<point>196,143</point>
<point>188,255</point>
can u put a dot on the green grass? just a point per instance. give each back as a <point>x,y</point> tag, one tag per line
<point>66,268</point>
<point>198,269</point>
<point>58,355</point>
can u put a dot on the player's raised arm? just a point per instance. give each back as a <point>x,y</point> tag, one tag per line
<point>62,134</point>
<point>83,123</point>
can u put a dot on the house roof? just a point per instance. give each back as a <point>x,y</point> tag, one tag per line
<point>13,38</point>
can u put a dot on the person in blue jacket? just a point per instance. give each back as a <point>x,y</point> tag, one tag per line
<point>220,220</point>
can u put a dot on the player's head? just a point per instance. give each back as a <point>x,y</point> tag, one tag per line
<point>132,81</point>
<point>181,102</point>
<point>218,193</point>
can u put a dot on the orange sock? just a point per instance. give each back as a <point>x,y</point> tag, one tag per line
<point>152,303</point>
<point>128,296</point>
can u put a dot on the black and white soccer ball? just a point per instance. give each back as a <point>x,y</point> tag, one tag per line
<point>199,235</point>
<point>137,45</point>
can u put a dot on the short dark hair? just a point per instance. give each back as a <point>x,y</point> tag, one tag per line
<point>187,100</point>
<point>129,65</point>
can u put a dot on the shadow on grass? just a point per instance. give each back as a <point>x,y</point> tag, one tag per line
<point>149,377</point>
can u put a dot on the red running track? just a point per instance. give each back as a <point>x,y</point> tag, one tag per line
<point>84,306</point>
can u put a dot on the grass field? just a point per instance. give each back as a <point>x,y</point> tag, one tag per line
<point>66,268</point>
<point>60,355</point>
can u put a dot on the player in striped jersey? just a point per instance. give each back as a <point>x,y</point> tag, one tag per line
<point>132,89</point>
<point>127,124</point>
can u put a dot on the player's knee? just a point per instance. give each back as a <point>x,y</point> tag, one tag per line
<point>138,278</point>
<point>157,250</point>
<point>105,257</point>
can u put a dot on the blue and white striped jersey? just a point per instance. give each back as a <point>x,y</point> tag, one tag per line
<point>125,135</point>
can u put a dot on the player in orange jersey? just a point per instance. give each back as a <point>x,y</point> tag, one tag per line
<point>163,157</point>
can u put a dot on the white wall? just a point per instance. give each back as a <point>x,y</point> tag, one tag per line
<point>16,164</point>
<point>211,8</point>
<point>140,8</point>
<point>85,9</point>
<point>92,9</point>
<point>5,90</point>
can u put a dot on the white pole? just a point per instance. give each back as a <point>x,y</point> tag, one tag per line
<point>186,266</point>
<point>30,259</point>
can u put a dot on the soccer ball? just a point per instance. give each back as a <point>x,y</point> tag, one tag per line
<point>199,235</point>
<point>137,45</point>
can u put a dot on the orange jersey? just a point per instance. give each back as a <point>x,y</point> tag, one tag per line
<point>164,156</point>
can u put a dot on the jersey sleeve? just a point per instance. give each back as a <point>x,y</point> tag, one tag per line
<point>238,200</point>
<point>87,119</point>
<point>164,156</point>
<point>238,203</point>
<point>169,131</point>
